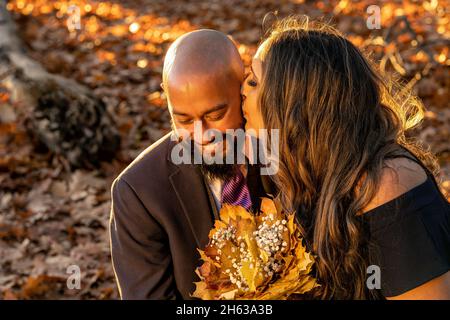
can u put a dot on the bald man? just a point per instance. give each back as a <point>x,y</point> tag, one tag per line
<point>162,211</point>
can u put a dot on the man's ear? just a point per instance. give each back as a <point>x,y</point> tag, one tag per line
<point>162,86</point>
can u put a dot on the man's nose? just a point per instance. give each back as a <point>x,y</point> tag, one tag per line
<point>204,136</point>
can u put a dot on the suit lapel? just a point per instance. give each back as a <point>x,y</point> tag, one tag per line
<point>191,192</point>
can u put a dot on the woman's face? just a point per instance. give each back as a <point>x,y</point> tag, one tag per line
<point>250,92</point>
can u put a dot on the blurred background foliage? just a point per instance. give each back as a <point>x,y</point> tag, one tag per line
<point>53,216</point>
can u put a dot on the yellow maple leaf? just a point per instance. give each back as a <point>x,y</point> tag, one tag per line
<point>254,256</point>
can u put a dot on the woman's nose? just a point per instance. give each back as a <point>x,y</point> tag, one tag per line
<point>243,96</point>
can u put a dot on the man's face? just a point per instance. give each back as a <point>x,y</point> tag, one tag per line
<point>214,102</point>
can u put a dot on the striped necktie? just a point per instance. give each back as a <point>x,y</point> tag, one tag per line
<point>235,191</point>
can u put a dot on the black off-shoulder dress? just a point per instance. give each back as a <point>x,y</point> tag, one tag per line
<point>409,237</point>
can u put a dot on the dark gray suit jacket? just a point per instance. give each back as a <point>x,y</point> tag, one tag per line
<point>160,214</point>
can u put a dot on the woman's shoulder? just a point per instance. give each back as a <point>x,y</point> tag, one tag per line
<point>409,227</point>
<point>398,177</point>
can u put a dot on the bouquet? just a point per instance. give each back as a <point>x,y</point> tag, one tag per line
<point>258,257</point>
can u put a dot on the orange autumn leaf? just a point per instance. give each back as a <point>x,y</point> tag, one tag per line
<point>258,257</point>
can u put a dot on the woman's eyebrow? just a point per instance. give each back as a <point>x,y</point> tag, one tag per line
<point>254,74</point>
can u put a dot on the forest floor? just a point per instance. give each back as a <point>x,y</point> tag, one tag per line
<point>51,218</point>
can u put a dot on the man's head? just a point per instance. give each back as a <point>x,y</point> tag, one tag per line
<point>202,76</point>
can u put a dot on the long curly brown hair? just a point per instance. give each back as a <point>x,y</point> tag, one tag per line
<point>339,120</point>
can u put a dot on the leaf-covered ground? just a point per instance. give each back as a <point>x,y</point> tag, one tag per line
<point>51,218</point>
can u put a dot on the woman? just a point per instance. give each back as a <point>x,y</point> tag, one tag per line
<point>363,192</point>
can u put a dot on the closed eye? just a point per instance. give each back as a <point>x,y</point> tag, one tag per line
<point>216,117</point>
<point>184,121</point>
<point>217,113</point>
<point>250,80</point>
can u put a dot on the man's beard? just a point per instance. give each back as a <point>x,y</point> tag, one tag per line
<point>221,171</point>
<point>218,171</point>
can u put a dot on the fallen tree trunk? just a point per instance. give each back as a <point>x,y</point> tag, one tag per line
<point>62,114</point>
